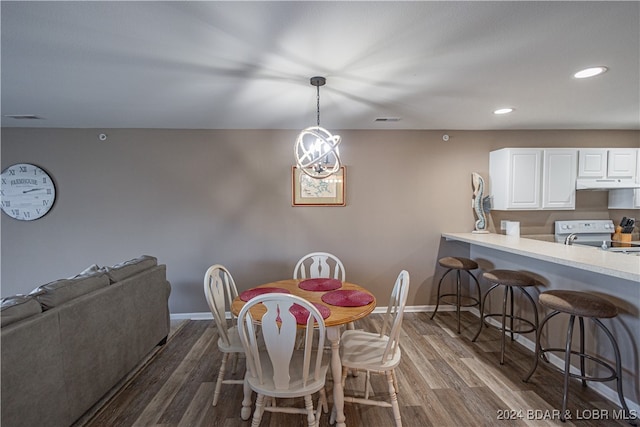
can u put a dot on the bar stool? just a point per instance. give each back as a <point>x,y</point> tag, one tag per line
<point>458,264</point>
<point>509,279</point>
<point>581,305</point>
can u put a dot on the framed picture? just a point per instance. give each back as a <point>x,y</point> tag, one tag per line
<point>307,191</point>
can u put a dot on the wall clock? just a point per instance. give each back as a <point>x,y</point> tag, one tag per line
<point>27,192</point>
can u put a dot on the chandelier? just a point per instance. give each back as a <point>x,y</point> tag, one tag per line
<point>316,150</point>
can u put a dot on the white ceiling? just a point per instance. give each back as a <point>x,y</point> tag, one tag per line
<point>246,65</point>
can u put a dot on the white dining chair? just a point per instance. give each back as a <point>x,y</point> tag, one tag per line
<point>378,352</point>
<point>324,265</point>
<point>282,371</point>
<point>319,265</point>
<point>220,291</point>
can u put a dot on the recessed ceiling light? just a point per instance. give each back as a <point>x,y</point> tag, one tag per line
<point>590,72</point>
<point>503,111</point>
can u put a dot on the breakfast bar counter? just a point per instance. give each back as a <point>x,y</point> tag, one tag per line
<point>622,266</point>
<point>610,275</point>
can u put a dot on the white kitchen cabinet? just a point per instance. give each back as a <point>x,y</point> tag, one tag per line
<point>515,178</point>
<point>559,178</point>
<point>532,178</point>
<point>627,198</point>
<point>622,162</point>
<point>600,163</point>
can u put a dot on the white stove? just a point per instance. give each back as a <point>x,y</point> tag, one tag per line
<point>585,230</point>
<point>595,233</point>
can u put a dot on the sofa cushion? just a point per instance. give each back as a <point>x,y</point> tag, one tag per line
<point>18,307</point>
<point>60,291</point>
<point>128,268</point>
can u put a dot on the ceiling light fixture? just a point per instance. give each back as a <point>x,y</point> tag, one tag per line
<point>503,111</point>
<point>590,72</point>
<point>316,150</point>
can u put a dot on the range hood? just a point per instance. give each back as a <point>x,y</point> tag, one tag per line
<point>605,183</point>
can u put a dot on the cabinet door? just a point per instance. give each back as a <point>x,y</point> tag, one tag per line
<point>592,163</point>
<point>524,176</point>
<point>622,163</point>
<point>559,179</point>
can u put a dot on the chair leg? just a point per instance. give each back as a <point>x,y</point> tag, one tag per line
<point>345,371</point>
<point>257,415</point>
<point>245,412</point>
<point>367,385</point>
<point>458,291</point>
<point>308,404</point>
<point>323,400</point>
<point>223,365</point>
<point>395,380</point>
<point>394,399</point>
<point>235,356</point>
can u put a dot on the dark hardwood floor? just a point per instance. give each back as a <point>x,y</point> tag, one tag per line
<point>444,379</point>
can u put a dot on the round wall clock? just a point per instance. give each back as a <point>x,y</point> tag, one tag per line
<point>27,192</point>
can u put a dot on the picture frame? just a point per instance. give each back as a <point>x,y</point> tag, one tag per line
<point>307,191</point>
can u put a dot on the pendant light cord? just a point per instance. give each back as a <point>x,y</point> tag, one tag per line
<point>318,103</point>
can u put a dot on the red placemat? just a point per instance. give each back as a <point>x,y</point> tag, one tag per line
<point>320,284</point>
<point>347,298</point>
<point>302,314</point>
<point>252,293</point>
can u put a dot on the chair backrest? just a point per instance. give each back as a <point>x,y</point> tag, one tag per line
<point>220,291</point>
<point>278,327</point>
<point>392,323</point>
<point>319,264</point>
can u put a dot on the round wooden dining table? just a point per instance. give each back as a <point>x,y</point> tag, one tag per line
<point>339,316</point>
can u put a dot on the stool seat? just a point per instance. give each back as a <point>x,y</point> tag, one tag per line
<point>510,278</point>
<point>578,303</point>
<point>458,263</point>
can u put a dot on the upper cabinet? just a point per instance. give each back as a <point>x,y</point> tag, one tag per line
<point>559,179</point>
<point>532,178</point>
<point>602,163</point>
<point>627,198</point>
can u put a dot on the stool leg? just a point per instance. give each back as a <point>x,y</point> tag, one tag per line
<point>458,297</point>
<point>438,296</point>
<point>477,286</point>
<point>538,345</point>
<point>584,382</point>
<point>484,299</point>
<point>511,319</point>
<point>616,351</point>
<point>567,367</point>
<point>504,320</point>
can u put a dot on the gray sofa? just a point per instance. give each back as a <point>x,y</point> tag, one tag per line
<point>65,345</point>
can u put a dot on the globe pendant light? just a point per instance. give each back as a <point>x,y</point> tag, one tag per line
<point>316,150</point>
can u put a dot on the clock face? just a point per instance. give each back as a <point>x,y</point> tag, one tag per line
<point>27,192</point>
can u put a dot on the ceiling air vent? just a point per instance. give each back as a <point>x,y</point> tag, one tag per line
<point>387,119</point>
<point>23,116</point>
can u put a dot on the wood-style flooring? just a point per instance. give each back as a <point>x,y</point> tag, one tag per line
<point>444,380</point>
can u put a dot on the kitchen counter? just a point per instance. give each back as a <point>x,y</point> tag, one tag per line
<point>613,276</point>
<point>618,265</point>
